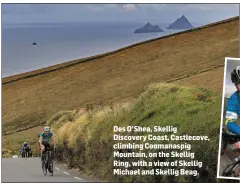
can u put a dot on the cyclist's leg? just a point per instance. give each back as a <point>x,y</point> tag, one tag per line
<point>43,152</point>
<point>49,153</point>
<point>52,150</point>
<point>27,152</point>
<point>42,156</point>
<point>24,152</point>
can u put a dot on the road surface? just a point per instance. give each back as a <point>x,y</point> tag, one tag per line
<point>30,170</point>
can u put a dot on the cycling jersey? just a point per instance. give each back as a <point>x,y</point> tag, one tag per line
<point>26,147</point>
<point>233,112</point>
<point>46,137</point>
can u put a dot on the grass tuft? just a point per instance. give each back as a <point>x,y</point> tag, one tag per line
<point>89,134</point>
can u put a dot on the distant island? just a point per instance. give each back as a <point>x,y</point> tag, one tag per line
<point>181,23</point>
<point>148,28</point>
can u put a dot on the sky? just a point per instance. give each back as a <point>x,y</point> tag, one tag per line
<point>229,86</point>
<point>68,13</point>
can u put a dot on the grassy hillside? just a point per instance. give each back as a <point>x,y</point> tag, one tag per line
<point>212,79</point>
<point>195,111</point>
<point>11,143</point>
<point>118,76</point>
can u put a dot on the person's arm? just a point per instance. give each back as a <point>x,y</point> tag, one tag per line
<point>40,141</point>
<point>232,114</point>
<point>53,141</point>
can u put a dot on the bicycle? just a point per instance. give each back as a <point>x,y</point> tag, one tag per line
<point>24,153</point>
<point>229,171</point>
<point>47,161</point>
<point>230,138</point>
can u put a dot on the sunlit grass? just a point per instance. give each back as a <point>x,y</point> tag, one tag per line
<point>195,111</point>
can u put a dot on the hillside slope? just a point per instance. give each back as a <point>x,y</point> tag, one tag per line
<point>117,76</point>
<point>194,111</point>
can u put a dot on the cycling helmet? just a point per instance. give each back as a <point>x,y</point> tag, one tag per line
<point>47,129</point>
<point>25,143</point>
<point>235,75</point>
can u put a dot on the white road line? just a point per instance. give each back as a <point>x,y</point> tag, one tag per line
<point>57,168</point>
<point>78,178</point>
<point>66,173</point>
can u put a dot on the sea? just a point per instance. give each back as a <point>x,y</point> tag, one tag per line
<point>62,42</point>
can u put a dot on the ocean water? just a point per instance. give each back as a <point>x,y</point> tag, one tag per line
<point>58,43</point>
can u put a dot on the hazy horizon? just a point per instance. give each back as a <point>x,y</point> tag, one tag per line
<point>82,13</point>
<point>66,32</point>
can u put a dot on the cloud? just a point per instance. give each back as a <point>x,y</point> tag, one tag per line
<point>109,12</point>
<point>157,7</point>
<point>76,8</point>
<point>210,7</point>
<point>96,8</point>
<point>101,7</point>
<point>129,7</point>
<point>107,7</point>
<point>25,8</point>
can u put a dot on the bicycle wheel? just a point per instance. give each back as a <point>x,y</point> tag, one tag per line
<point>50,163</point>
<point>51,167</point>
<point>44,165</point>
<point>229,171</point>
<point>44,169</point>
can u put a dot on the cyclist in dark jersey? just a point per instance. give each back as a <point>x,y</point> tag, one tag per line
<point>26,147</point>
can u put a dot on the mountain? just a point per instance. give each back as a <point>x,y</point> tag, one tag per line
<point>148,28</point>
<point>181,23</point>
<point>116,76</point>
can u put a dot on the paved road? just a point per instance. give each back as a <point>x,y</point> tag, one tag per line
<point>224,161</point>
<point>29,170</point>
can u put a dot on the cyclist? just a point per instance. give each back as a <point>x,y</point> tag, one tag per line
<point>25,148</point>
<point>46,140</point>
<point>233,108</point>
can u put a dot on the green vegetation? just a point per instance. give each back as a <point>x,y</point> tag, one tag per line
<point>85,137</point>
<point>12,143</point>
